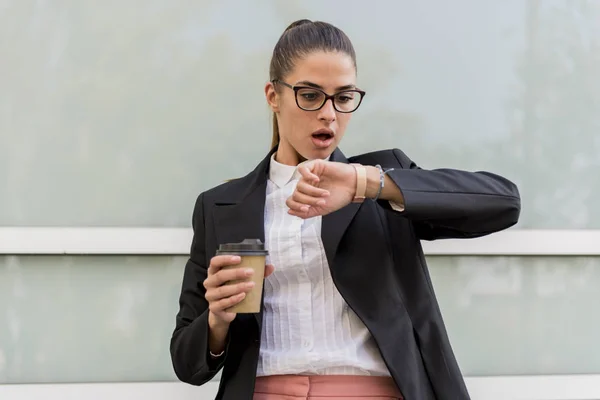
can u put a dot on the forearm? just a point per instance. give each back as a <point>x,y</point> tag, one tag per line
<point>449,203</point>
<point>390,191</point>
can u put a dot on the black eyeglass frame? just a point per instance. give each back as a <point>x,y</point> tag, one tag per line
<point>327,96</point>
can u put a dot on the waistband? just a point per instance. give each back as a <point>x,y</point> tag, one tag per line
<point>347,386</point>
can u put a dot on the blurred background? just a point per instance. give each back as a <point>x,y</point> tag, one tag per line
<point>117,114</point>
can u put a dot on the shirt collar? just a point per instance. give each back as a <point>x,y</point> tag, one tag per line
<point>282,174</point>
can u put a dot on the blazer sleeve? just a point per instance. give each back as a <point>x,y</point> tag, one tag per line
<point>450,203</point>
<point>189,342</point>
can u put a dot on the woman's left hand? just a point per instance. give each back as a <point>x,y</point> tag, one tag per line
<point>324,187</point>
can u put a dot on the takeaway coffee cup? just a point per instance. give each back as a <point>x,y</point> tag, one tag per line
<point>253,255</point>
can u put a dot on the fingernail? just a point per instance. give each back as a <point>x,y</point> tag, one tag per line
<point>250,284</point>
<point>235,258</point>
<point>321,203</point>
<point>248,271</point>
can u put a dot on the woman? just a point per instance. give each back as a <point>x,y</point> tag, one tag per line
<point>349,309</point>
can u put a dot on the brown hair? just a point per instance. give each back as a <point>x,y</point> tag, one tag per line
<point>300,39</point>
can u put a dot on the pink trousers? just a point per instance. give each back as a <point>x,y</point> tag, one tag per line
<point>325,387</point>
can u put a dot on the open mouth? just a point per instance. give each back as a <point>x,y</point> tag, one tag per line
<point>322,138</point>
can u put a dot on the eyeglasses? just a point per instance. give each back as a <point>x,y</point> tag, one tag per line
<point>313,99</point>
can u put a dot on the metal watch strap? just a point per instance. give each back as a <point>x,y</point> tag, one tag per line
<point>381,182</point>
<point>382,174</point>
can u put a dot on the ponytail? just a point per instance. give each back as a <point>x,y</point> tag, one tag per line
<point>275,139</point>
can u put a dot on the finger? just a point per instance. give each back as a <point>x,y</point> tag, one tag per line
<point>226,275</point>
<point>311,190</point>
<point>221,292</point>
<point>308,174</point>
<point>218,262</point>
<point>233,274</point>
<point>308,200</point>
<point>296,206</point>
<point>302,211</point>
<point>269,269</point>
<point>223,304</point>
<point>312,212</point>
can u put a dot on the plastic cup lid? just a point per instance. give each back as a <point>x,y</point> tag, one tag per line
<point>254,246</point>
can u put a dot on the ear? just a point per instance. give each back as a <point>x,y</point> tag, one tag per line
<point>272,97</point>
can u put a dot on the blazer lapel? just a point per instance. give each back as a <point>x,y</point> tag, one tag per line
<point>335,224</point>
<point>237,221</point>
<point>240,213</point>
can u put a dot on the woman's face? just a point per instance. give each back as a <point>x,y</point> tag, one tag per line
<point>307,135</point>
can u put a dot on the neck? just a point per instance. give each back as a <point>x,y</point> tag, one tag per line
<point>288,156</point>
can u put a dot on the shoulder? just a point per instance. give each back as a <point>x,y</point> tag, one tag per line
<point>390,158</point>
<point>235,190</point>
<point>206,199</point>
<point>229,189</point>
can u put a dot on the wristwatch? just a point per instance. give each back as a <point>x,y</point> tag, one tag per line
<point>361,183</point>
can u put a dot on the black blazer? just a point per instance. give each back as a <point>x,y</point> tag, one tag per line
<point>376,262</point>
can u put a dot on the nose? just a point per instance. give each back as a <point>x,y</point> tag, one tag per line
<point>327,112</point>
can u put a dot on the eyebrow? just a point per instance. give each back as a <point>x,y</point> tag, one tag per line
<point>314,85</point>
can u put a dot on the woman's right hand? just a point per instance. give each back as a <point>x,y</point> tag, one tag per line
<point>220,296</point>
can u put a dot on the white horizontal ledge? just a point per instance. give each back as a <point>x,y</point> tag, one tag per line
<point>535,387</point>
<point>102,241</point>
<point>519,242</point>
<point>541,387</point>
<point>177,241</point>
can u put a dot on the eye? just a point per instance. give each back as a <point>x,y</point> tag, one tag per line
<point>309,95</point>
<point>345,97</point>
